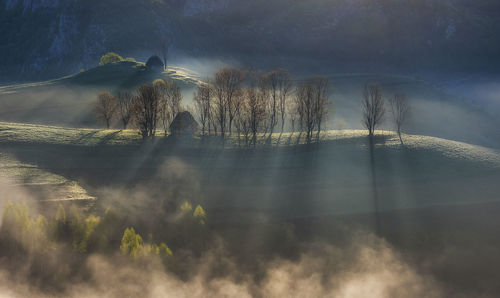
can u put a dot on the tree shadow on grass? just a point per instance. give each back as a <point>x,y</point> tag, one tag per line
<point>109,137</point>
<point>86,137</point>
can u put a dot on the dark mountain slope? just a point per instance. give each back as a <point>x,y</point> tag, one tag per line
<point>41,38</point>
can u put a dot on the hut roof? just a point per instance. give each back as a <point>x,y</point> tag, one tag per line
<point>184,120</point>
<point>154,61</point>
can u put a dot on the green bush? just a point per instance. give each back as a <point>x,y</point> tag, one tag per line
<point>200,215</point>
<point>105,238</point>
<point>110,57</point>
<point>132,244</point>
<point>23,231</point>
<point>75,227</point>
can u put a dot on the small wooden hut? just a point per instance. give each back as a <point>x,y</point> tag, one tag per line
<point>183,125</point>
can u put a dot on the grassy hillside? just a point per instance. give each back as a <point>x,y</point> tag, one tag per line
<point>435,112</point>
<point>432,199</point>
<point>57,135</point>
<point>130,75</point>
<point>341,175</point>
<point>67,101</point>
<point>124,74</point>
<point>39,183</point>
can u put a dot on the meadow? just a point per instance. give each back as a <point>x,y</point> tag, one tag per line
<point>200,216</point>
<point>285,201</point>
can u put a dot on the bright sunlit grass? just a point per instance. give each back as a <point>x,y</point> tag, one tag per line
<point>30,133</point>
<point>40,181</point>
<point>43,134</point>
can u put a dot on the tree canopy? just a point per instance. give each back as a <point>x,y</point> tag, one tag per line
<point>110,57</point>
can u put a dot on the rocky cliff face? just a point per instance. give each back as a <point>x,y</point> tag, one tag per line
<point>48,38</point>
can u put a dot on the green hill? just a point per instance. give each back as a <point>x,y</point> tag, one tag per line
<point>342,175</point>
<point>67,101</point>
<point>129,75</point>
<point>47,39</point>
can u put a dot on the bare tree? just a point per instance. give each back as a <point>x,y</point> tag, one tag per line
<point>169,102</point>
<point>213,120</point>
<point>278,83</point>
<point>226,88</point>
<point>255,112</point>
<point>174,96</point>
<point>220,107</point>
<point>163,48</point>
<point>202,99</point>
<point>311,105</point>
<point>298,108</point>
<point>146,110</point>
<point>164,113</point>
<point>105,108</point>
<point>373,107</point>
<point>284,88</point>
<point>270,82</point>
<point>305,108</point>
<point>293,112</point>
<point>125,103</point>
<point>237,106</point>
<point>244,120</point>
<point>321,102</point>
<point>401,110</point>
<point>263,94</point>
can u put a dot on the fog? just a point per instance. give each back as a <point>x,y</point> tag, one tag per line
<point>373,270</point>
<point>296,223</point>
<point>344,219</point>
<point>363,265</point>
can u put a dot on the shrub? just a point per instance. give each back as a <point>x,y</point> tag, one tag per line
<point>81,228</point>
<point>186,208</point>
<point>110,57</point>
<point>132,244</point>
<point>200,215</point>
<point>21,231</point>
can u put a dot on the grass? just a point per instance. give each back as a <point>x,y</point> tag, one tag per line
<point>335,177</point>
<point>124,74</point>
<point>39,183</point>
<point>43,134</point>
<point>16,133</point>
<point>129,75</point>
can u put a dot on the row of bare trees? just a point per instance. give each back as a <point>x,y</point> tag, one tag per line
<point>151,106</point>
<point>249,103</point>
<point>374,109</point>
